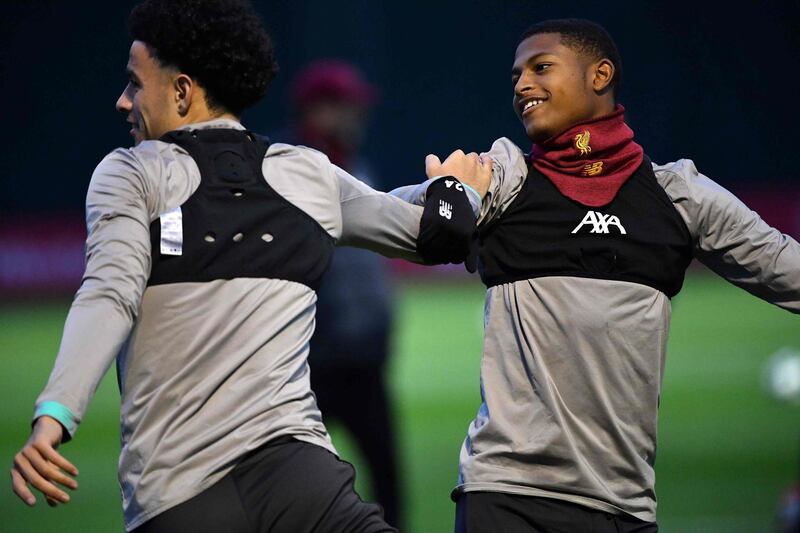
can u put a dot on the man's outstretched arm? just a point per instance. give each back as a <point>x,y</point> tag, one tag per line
<point>98,323</point>
<point>390,226</point>
<point>733,240</point>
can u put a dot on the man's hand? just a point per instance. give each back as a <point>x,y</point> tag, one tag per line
<point>470,169</point>
<point>40,465</point>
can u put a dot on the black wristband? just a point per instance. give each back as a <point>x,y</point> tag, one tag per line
<point>447,224</point>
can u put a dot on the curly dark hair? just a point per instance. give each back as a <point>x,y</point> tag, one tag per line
<point>221,44</point>
<point>585,37</point>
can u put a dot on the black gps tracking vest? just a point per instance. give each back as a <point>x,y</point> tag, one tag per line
<point>638,237</point>
<point>235,225</point>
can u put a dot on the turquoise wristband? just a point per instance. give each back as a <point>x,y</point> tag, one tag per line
<point>470,189</point>
<point>60,412</point>
<point>473,191</point>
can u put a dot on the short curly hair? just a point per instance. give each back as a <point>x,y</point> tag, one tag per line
<point>584,37</point>
<point>222,44</point>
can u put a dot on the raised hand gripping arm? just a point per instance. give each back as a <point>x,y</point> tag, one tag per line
<point>395,228</point>
<point>448,221</point>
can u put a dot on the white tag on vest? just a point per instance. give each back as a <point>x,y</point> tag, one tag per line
<point>172,232</point>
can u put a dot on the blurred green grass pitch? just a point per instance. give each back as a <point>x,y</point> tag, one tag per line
<point>726,450</point>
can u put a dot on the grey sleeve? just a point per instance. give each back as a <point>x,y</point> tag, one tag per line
<point>731,239</point>
<point>105,307</point>
<point>349,210</point>
<point>417,194</point>
<point>413,194</point>
<point>509,172</point>
<point>376,220</point>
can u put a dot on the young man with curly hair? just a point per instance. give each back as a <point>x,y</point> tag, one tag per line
<point>205,246</point>
<point>582,244</point>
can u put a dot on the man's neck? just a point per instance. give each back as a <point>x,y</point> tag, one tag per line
<point>603,110</point>
<point>194,118</point>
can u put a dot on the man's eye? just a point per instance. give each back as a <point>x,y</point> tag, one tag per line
<point>514,80</point>
<point>541,67</point>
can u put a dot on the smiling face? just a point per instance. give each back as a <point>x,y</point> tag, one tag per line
<point>149,98</point>
<point>556,86</point>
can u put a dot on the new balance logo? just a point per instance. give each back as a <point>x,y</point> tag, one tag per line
<point>600,223</point>
<point>450,183</point>
<point>445,209</point>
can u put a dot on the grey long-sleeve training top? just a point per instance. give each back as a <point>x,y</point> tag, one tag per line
<point>572,364</point>
<point>208,371</point>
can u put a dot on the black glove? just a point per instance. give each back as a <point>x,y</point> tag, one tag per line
<point>447,225</point>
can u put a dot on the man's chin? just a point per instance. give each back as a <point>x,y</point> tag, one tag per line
<point>537,135</point>
<point>136,134</point>
<point>534,131</point>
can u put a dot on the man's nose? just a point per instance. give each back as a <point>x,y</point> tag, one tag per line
<point>524,84</point>
<point>124,104</point>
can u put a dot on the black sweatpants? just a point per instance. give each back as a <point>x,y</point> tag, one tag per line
<point>287,486</point>
<point>491,512</point>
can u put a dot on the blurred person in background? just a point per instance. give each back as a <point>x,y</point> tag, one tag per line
<point>331,101</point>
<point>206,244</point>
<point>788,518</point>
<point>789,511</point>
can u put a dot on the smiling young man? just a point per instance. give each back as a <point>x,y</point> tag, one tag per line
<point>582,244</point>
<point>205,247</point>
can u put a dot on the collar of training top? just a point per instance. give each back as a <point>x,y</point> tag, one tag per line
<point>216,123</point>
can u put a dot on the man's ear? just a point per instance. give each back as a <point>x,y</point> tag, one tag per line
<point>184,92</point>
<point>602,74</point>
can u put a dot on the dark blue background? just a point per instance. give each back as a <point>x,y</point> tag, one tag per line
<point>715,82</point>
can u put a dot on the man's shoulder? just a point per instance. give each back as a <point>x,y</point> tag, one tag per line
<point>505,149</point>
<point>696,196</point>
<point>507,143</point>
<point>144,169</point>
<point>682,168</point>
<point>297,152</point>
<point>301,165</point>
<point>682,176</point>
<point>160,153</point>
<point>676,177</point>
<point>144,157</point>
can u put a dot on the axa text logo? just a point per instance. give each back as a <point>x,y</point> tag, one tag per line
<point>600,223</point>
